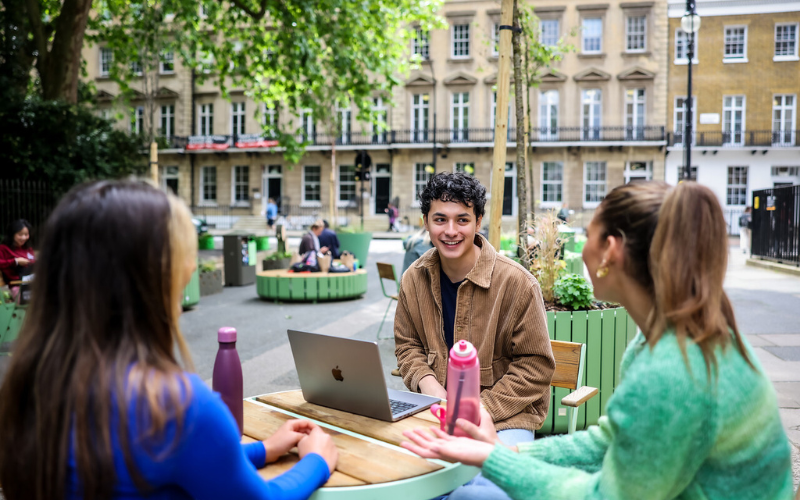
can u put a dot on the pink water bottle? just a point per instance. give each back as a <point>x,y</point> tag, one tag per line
<point>463,389</point>
<point>227,378</point>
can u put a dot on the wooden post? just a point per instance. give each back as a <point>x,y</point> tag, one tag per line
<point>501,125</point>
<point>154,162</point>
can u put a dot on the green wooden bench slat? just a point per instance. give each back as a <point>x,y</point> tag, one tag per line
<point>579,336</point>
<point>297,288</point>
<point>312,289</point>
<point>363,281</point>
<point>322,291</point>
<point>563,333</point>
<point>607,360</point>
<point>547,425</point>
<point>620,341</point>
<point>283,289</point>
<point>593,345</point>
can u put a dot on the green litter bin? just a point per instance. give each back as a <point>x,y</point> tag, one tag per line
<point>205,242</point>
<point>262,243</point>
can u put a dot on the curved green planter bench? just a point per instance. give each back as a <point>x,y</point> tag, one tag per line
<point>284,286</point>
<point>11,317</point>
<point>191,294</point>
<point>606,334</point>
<point>357,244</point>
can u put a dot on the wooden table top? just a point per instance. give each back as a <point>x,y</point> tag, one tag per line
<point>361,462</point>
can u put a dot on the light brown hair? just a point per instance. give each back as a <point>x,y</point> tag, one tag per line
<point>676,247</point>
<point>99,337</point>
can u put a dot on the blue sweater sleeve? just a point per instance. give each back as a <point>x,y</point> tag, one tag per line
<point>210,463</point>
<point>256,453</point>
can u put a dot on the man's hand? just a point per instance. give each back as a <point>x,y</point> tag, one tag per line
<point>324,249</point>
<point>286,438</point>
<point>430,386</point>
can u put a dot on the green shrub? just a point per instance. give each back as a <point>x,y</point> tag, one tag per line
<point>573,291</point>
<point>207,266</point>
<point>278,255</point>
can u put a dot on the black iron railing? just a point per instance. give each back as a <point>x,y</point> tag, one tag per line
<point>776,224</point>
<point>739,139</point>
<point>29,200</point>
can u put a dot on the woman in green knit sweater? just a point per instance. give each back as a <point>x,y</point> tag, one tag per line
<point>694,416</point>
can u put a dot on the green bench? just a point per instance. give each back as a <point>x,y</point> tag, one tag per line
<point>11,317</point>
<point>281,285</point>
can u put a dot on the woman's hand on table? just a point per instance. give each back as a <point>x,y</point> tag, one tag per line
<point>443,446</point>
<point>319,442</point>
<point>430,386</point>
<point>286,438</point>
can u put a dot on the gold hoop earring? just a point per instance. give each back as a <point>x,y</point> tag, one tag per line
<point>602,272</point>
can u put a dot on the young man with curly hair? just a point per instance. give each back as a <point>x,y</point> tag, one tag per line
<point>463,289</point>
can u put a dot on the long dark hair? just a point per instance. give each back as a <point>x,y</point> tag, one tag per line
<point>15,227</point>
<point>102,326</point>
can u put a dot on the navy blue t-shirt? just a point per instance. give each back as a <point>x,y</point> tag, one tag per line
<point>449,296</point>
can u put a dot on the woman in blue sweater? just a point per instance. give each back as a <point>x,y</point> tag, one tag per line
<point>95,404</point>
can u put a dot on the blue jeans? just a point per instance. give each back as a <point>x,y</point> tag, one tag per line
<point>480,488</point>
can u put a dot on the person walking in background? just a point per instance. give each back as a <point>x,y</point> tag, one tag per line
<point>95,403</point>
<point>328,238</point>
<point>272,212</point>
<point>563,214</point>
<point>16,254</point>
<point>391,210</point>
<point>694,416</point>
<point>745,234</point>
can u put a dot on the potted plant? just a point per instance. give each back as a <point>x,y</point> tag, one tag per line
<point>277,260</point>
<point>356,240</point>
<point>210,278</point>
<point>574,315</point>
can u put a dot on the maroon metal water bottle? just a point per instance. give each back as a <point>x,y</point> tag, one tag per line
<point>227,378</point>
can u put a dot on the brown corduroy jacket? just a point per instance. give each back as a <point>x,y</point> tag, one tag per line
<point>499,309</point>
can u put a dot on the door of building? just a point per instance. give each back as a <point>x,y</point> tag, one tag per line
<point>509,190</point>
<point>272,186</point>
<point>170,177</point>
<point>381,187</point>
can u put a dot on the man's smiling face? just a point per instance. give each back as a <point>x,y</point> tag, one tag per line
<point>452,227</point>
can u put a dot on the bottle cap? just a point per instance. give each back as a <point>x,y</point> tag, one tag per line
<point>226,334</point>
<point>462,349</point>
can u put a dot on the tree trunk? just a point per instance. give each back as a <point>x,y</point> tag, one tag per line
<point>529,154</point>
<point>60,67</point>
<point>519,88</point>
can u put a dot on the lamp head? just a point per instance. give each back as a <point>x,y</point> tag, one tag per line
<point>690,23</point>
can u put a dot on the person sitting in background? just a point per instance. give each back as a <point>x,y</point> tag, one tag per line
<point>328,239</point>
<point>16,254</point>
<point>695,416</point>
<point>272,212</point>
<point>745,222</point>
<point>101,407</point>
<point>416,245</point>
<point>310,240</point>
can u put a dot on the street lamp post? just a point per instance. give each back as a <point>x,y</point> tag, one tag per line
<point>690,23</point>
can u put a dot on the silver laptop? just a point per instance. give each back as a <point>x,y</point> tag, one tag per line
<point>346,374</point>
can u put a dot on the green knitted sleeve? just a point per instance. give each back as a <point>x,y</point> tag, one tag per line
<point>584,449</point>
<point>659,430</point>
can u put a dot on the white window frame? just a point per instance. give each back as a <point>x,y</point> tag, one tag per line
<point>587,183</point>
<point>462,168</point>
<point>595,115</point>
<point>729,187</point>
<point>345,123</point>
<point>307,126</point>
<point>545,37</point>
<point>210,202</point>
<point>510,172</point>
<point>137,123</point>
<point>734,59</point>
<point>168,118</point>
<point>420,44</point>
<point>558,183</point>
<point>421,178</point>
<point>732,109</point>
<point>783,132</point>
<point>634,116</point>
<point>166,57</point>
<point>235,201</point>
<point>237,118</point>
<point>169,173</point>
<point>205,122</point>
<point>109,61</point>
<point>548,112</point>
<point>459,113</point>
<point>495,39</point>
<point>628,34</point>
<point>349,183</point>
<point>318,183</point>
<point>584,50</point>
<point>379,109</point>
<point>676,110</point>
<point>420,111</point>
<point>136,68</point>
<point>786,57</point>
<point>459,41</point>
<point>638,173</point>
<point>681,37</point>
<point>492,115</point>
<point>269,118</point>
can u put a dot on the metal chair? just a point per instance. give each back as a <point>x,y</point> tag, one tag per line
<point>386,272</point>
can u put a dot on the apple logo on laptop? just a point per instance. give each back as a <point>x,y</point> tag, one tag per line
<point>337,374</point>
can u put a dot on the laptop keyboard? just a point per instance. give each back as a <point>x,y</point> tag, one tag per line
<point>400,406</point>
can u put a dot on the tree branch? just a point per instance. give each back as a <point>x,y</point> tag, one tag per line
<point>250,12</point>
<point>39,37</point>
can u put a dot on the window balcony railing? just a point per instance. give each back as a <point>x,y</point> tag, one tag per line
<point>739,139</point>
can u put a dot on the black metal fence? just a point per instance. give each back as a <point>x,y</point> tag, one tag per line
<point>776,224</point>
<point>740,139</point>
<point>29,200</point>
